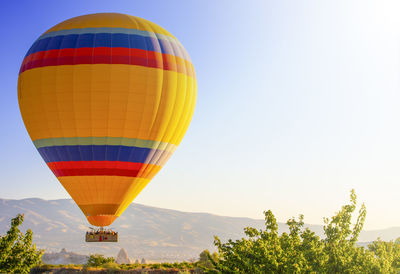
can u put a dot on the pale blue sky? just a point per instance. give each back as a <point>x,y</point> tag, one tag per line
<point>298,102</point>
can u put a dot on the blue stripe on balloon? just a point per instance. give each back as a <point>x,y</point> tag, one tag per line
<point>109,30</point>
<point>96,153</point>
<point>89,40</point>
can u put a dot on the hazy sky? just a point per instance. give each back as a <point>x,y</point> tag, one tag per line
<point>298,102</point>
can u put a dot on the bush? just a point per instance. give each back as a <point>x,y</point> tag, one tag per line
<point>184,272</point>
<point>17,253</point>
<point>155,266</point>
<point>167,265</point>
<point>111,266</point>
<point>98,260</point>
<point>302,251</point>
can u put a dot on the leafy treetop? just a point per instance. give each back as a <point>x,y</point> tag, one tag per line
<point>17,253</point>
<point>302,251</point>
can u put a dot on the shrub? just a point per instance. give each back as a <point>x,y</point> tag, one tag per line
<point>97,260</point>
<point>17,253</point>
<point>302,251</point>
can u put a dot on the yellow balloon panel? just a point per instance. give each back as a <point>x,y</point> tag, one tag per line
<point>75,101</point>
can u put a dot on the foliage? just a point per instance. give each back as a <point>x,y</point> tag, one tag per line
<point>98,260</point>
<point>113,267</point>
<point>17,253</point>
<point>388,254</point>
<point>155,266</point>
<point>302,251</point>
<point>184,272</point>
<point>206,259</point>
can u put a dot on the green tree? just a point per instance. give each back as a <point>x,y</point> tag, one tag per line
<point>340,243</point>
<point>97,260</point>
<point>387,253</point>
<point>302,251</point>
<point>206,259</point>
<point>17,253</point>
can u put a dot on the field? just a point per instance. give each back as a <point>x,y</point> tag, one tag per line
<point>183,267</point>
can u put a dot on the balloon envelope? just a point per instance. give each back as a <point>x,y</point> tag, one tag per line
<point>106,99</point>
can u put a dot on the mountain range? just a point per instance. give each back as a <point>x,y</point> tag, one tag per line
<point>152,233</point>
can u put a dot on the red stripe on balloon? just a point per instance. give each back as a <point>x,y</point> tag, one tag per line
<point>105,55</point>
<point>101,168</point>
<point>96,172</point>
<point>95,164</point>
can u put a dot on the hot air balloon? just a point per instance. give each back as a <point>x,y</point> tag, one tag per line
<point>106,99</point>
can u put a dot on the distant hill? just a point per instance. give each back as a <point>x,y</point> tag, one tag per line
<point>64,257</point>
<point>144,232</point>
